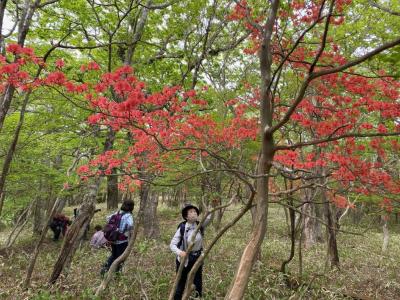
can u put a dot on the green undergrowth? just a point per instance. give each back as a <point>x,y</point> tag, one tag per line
<point>365,273</point>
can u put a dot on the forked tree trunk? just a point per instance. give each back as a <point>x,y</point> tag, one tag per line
<point>76,231</point>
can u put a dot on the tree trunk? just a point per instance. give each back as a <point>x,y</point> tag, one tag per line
<point>357,214</point>
<point>218,219</point>
<point>13,145</point>
<point>20,223</point>
<point>385,229</point>
<point>112,192</point>
<point>112,180</point>
<point>243,271</point>
<point>76,231</point>
<point>292,218</point>
<point>149,203</point>
<point>39,243</point>
<point>312,227</point>
<point>24,23</point>
<point>3,5</point>
<point>39,216</point>
<point>332,250</point>
<point>2,198</point>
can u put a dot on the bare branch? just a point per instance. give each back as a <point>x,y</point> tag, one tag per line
<point>330,139</point>
<point>315,75</point>
<point>356,61</point>
<point>159,6</point>
<point>321,50</point>
<point>385,9</point>
<point>47,3</point>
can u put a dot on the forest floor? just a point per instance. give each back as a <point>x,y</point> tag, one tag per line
<point>365,273</point>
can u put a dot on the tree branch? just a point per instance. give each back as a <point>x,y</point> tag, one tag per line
<point>378,6</point>
<point>330,139</point>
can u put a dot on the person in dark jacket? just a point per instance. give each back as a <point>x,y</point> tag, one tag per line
<point>59,224</point>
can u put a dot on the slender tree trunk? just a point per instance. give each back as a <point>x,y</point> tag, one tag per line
<point>332,250</point>
<point>112,181</point>
<point>385,229</point>
<point>39,216</point>
<point>301,224</point>
<point>24,23</point>
<point>219,215</point>
<point>13,145</point>
<point>76,231</point>
<point>22,220</point>
<point>292,218</point>
<point>5,102</point>
<point>244,268</point>
<point>3,4</point>
<point>2,198</point>
<point>39,243</point>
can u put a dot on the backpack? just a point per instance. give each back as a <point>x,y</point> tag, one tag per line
<point>111,229</point>
<point>181,227</point>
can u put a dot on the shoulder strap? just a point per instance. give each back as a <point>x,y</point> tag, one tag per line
<point>181,228</point>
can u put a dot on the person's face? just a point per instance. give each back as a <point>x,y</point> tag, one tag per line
<point>192,215</point>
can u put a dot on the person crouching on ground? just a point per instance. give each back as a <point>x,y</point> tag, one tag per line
<point>98,240</point>
<point>125,227</point>
<point>180,243</point>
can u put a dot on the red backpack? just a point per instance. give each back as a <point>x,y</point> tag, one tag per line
<point>111,229</point>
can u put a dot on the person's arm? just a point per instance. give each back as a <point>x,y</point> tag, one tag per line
<point>208,220</point>
<point>129,225</point>
<point>174,244</point>
<point>93,241</point>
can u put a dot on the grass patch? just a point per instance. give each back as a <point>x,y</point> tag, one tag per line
<point>365,273</point>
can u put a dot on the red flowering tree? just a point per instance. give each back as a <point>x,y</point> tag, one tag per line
<point>319,105</point>
<point>320,109</point>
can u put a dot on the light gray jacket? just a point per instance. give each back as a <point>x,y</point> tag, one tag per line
<point>187,238</point>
